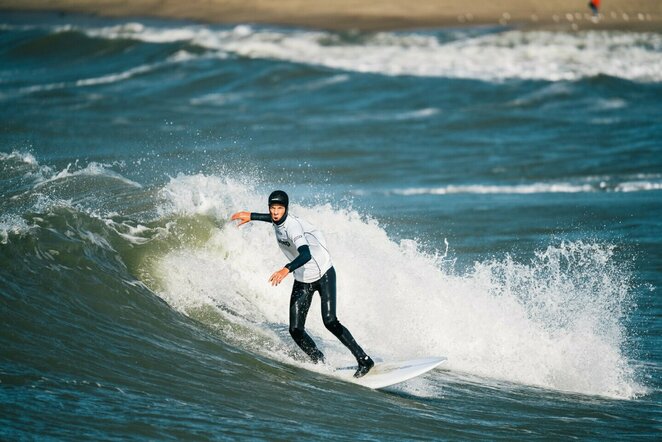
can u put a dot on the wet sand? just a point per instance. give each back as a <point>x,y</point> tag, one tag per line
<point>371,15</point>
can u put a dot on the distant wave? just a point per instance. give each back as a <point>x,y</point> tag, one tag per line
<point>42,175</point>
<point>512,54</point>
<point>637,183</point>
<point>109,78</point>
<point>92,169</point>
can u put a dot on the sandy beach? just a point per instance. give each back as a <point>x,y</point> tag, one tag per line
<point>372,15</point>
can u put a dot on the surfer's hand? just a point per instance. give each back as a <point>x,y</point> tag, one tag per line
<point>278,276</point>
<point>244,217</point>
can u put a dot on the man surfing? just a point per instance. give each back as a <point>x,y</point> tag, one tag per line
<point>310,262</point>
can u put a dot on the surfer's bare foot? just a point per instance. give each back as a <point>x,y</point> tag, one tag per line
<point>365,364</point>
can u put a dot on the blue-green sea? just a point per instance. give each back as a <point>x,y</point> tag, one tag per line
<point>488,194</point>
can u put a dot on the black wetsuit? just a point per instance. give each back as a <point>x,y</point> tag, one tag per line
<point>302,295</point>
<point>301,298</point>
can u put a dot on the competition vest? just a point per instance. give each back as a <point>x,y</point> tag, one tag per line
<point>294,233</point>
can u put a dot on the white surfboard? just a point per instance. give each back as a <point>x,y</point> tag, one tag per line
<point>384,374</point>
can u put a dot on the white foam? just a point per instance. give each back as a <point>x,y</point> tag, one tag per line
<point>513,54</point>
<point>522,189</point>
<point>12,225</point>
<point>178,57</point>
<point>114,78</point>
<point>42,174</point>
<point>23,157</point>
<point>218,99</point>
<point>134,234</point>
<point>554,322</point>
<point>543,94</point>
<point>205,195</point>
<point>91,169</point>
<point>586,185</point>
<point>639,186</point>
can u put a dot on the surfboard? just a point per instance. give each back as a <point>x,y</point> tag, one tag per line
<point>385,374</point>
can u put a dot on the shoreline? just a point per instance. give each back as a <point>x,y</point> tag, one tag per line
<point>370,15</point>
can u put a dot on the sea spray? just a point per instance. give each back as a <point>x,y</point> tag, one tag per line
<point>555,322</point>
<point>572,299</point>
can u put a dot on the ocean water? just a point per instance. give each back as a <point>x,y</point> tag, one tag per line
<point>488,194</point>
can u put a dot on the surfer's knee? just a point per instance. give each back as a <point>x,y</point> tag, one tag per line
<point>334,326</point>
<point>296,333</point>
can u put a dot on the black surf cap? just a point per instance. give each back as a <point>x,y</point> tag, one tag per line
<point>279,197</point>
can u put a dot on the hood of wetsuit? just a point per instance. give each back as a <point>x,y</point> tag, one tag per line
<point>279,197</point>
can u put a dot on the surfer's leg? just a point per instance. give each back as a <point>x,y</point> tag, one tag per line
<point>302,295</point>
<point>327,289</point>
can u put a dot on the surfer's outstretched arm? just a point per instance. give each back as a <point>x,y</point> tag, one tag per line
<point>245,217</point>
<point>261,217</point>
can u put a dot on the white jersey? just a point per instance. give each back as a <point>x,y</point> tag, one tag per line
<point>294,233</point>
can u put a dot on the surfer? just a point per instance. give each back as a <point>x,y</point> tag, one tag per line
<point>305,247</point>
<point>595,6</point>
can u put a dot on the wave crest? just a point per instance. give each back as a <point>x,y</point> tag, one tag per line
<point>557,321</point>
<point>495,56</point>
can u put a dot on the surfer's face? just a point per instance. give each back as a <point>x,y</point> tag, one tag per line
<point>276,211</point>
